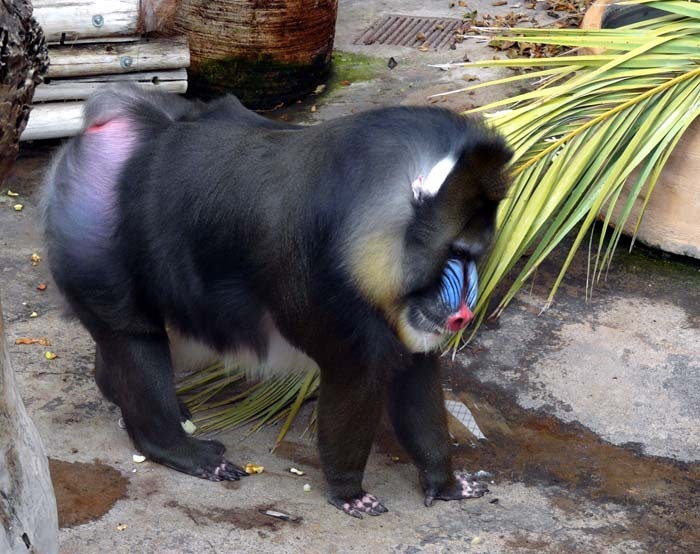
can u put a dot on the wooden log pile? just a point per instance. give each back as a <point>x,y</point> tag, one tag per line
<point>96,42</point>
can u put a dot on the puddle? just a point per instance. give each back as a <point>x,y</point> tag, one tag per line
<point>660,495</point>
<point>85,492</point>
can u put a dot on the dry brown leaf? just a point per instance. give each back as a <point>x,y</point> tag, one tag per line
<point>43,341</point>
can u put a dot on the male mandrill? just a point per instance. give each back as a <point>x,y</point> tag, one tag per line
<point>349,244</point>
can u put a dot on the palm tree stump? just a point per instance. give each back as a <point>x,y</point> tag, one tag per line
<point>264,52</point>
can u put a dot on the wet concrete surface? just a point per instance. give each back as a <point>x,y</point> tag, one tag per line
<point>591,410</point>
<point>85,492</point>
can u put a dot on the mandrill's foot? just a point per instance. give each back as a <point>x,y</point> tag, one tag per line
<point>465,485</point>
<point>363,503</point>
<point>203,459</point>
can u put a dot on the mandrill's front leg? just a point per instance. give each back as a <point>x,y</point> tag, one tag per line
<point>350,405</point>
<point>417,411</point>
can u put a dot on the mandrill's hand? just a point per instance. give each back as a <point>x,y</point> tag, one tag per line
<point>464,485</point>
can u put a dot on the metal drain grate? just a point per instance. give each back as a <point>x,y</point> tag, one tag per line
<point>403,30</point>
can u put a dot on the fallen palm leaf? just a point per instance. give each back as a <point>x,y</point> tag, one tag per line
<point>216,405</point>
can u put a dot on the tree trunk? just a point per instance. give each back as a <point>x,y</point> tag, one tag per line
<point>27,504</point>
<point>23,60</point>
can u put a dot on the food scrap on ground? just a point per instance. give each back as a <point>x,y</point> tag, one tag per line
<point>188,427</point>
<point>253,468</point>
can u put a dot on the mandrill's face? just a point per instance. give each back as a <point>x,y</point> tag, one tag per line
<point>432,316</point>
<point>418,259</point>
<point>452,227</point>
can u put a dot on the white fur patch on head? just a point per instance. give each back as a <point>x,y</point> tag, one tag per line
<point>430,185</point>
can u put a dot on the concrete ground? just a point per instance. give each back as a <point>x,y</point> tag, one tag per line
<point>591,410</point>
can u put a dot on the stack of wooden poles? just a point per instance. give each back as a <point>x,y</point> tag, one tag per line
<point>94,42</point>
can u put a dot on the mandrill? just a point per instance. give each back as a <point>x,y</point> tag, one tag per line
<point>175,225</point>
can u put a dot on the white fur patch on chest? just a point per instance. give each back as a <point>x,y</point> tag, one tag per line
<point>430,185</point>
<point>281,357</point>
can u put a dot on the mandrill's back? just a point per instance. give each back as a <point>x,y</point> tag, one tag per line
<point>159,195</point>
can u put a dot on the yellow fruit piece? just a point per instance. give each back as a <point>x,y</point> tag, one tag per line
<point>18,207</point>
<point>253,468</point>
<point>50,355</point>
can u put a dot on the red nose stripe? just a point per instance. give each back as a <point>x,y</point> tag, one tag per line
<point>459,320</point>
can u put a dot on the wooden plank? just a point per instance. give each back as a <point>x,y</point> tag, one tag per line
<point>79,88</point>
<point>61,119</point>
<point>75,19</point>
<point>125,57</point>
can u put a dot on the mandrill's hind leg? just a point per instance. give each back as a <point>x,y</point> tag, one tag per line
<point>135,372</point>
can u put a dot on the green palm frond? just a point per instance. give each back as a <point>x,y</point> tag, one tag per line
<point>593,123</point>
